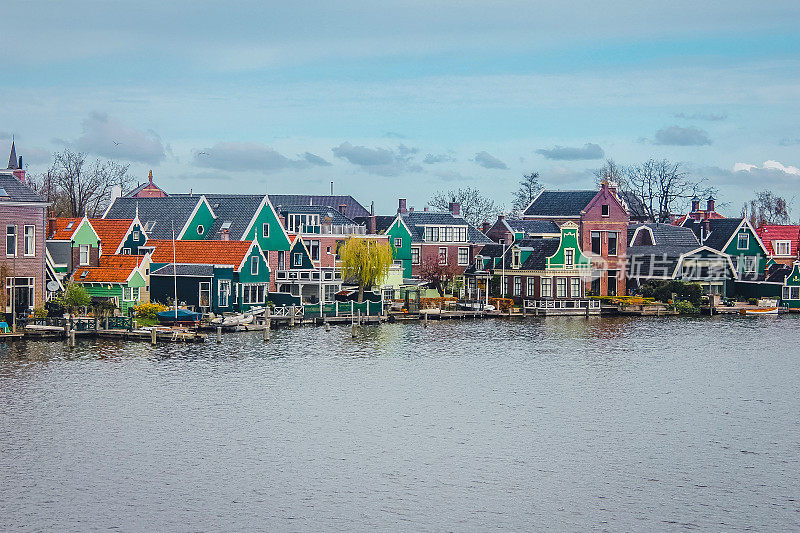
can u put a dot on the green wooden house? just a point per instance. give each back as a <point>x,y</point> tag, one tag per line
<point>790,293</point>
<point>118,279</point>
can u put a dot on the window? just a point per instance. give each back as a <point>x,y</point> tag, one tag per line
<point>461,234</point>
<point>612,282</point>
<point>596,242</point>
<point>136,235</point>
<point>415,255</point>
<point>750,264</point>
<point>30,241</point>
<point>595,286</point>
<point>330,293</point>
<point>313,249</point>
<point>149,225</point>
<point>785,295</point>
<point>254,265</point>
<point>744,242</point>
<point>298,259</point>
<point>235,291</point>
<point>782,248</point>
<point>569,258</point>
<point>253,293</point>
<point>83,255</point>
<point>127,294</point>
<point>531,290</point>
<point>11,241</point>
<point>605,210</point>
<point>24,295</point>
<point>612,242</point>
<point>447,234</point>
<point>795,293</point>
<point>398,242</point>
<point>265,229</point>
<point>442,256</point>
<point>575,287</point>
<point>281,260</point>
<point>517,286</point>
<point>561,287</point>
<point>204,296</point>
<point>516,256</point>
<point>547,287</point>
<point>126,251</point>
<point>463,256</point>
<point>200,229</point>
<point>224,292</point>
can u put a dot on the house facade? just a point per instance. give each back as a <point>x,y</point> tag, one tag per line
<point>790,291</point>
<point>118,279</point>
<point>782,242</point>
<point>23,221</point>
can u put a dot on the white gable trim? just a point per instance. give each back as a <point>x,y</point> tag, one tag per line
<point>264,202</point>
<point>194,212</point>
<point>531,202</point>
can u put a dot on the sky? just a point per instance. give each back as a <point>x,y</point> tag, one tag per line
<point>402,99</point>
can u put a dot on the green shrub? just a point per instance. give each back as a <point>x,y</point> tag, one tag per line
<point>150,310</point>
<point>752,301</point>
<point>663,291</point>
<point>40,312</point>
<point>685,307</point>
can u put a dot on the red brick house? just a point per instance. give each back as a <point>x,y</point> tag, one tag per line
<point>602,220</point>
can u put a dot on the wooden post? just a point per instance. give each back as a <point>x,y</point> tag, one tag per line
<point>153,337</point>
<point>359,317</point>
<point>219,334</point>
<point>425,320</point>
<point>351,308</point>
<point>327,326</point>
<point>524,310</point>
<point>72,338</point>
<point>291,317</point>
<point>587,308</point>
<point>267,326</point>
<point>106,322</point>
<point>336,307</point>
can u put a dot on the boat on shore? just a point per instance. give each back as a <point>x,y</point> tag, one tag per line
<point>182,317</point>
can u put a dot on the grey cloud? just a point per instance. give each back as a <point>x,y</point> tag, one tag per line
<point>315,160</point>
<point>431,159</point>
<point>381,161</point>
<point>245,156</point>
<point>566,153</point>
<point>714,117</point>
<point>487,160</point>
<point>109,137</point>
<point>35,155</point>
<point>678,136</point>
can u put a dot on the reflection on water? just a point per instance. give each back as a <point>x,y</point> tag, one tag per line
<point>563,423</point>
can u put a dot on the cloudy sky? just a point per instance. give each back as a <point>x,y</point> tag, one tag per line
<point>401,99</point>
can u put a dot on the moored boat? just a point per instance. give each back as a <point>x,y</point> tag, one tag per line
<point>759,311</point>
<point>182,317</point>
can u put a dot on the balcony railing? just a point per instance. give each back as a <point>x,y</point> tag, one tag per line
<point>562,304</point>
<point>334,229</point>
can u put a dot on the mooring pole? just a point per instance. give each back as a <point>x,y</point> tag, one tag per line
<point>267,326</point>
<point>425,320</point>
<point>291,317</point>
<point>72,338</point>
<point>219,334</point>
<point>153,337</point>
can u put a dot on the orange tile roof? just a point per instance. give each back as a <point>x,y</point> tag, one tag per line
<point>712,215</point>
<point>112,269</point>
<point>769,233</point>
<point>58,227</point>
<point>200,252</point>
<point>111,232</point>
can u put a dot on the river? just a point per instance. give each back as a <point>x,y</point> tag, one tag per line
<point>564,424</point>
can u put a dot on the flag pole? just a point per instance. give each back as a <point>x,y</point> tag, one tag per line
<point>174,272</point>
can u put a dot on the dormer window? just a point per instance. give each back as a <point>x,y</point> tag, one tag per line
<point>569,258</point>
<point>70,224</point>
<point>605,210</point>
<point>149,225</point>
<point>515,258</point>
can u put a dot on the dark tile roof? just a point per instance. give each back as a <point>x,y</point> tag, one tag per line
<point>636,208</point>
<point>533,227</point>
<point>721,230</point>
<point>540,249</point>
<point>415,220</point>
<point>238,209</point>
<point>382,222</point>
<point>16,191</point>
<point>560,203</point>
<point>353,209</point>
<point>185,270</point>
<point>666,234</point>
<point>778,274</point>
<point>323,211</point>
<point>164,211</point>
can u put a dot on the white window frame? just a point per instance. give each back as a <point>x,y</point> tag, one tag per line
<point>561,282</point>
<point>531,287</point>
<point>136,236</point>
<point>127,294</point>
<point>463,256</point>
<point>569,257</point>
<point>794,293</point>
<point>265,230</point>
<point>416,253</point>
<point>615,235</point>
<point>253,293</point>
<point>29,241</point>
<point>254,265</point>
<point>398,242</point>
<point>750,264</point>
<point>200,290</point>
<point>9,237</point>
<point>546,287</point>
<point>573,283</point>
<point>126,251</point>
<point>605,210</point>
<point>443,248</point>
<point>297,259</point>
<point>223,293</point>
<point>739,241</point>
<point>517,286</point>
<point>777,245</point>
<point>88,250</point>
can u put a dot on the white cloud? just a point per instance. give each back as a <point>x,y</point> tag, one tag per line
<point>768,165</point>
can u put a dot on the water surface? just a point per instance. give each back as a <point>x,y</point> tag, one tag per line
<point>567,424</point>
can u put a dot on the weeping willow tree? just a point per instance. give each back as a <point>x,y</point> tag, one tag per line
<point>365,261</point>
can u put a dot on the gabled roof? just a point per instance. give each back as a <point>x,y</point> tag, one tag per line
<point>163,211</point>
<point>769,233</point>
<point>533,227</point>
<point>334,215</point>
<point>662,234</point>
<point>112,269</point>
<point>721,231</point>
<point>540,250</point>
<point>382,222</point>
<point>235,211</point>
<point>62,229</point>
<point>417,220</point>
<point>111,232</point>
<point>17,191</point>
<point>353,209</point>
<point>229,253</point>
<point>559,204</point>
<point>205,271</point>
<point>13,162</point>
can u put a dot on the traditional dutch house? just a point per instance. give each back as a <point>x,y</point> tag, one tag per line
<point>117,279</point>
<point>790,290</point>
<point>210,276</point>
<point>506,231</point>
<point>147,189</point>
<point>23,219</point>
<point>782,242</point>
<point>602,220</point>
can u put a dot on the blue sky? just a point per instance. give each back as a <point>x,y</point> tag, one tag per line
<point>401,99</point>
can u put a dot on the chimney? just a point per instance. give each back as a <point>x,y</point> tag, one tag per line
<point>401,206</point>
<point>372,227</point>
<point>410,209</point>
<point>51,227</point>
<point>342,208</point>
<point>710,204</point>
<point>455,209</point>
<point>426,209</point>
<point>501,217</point>
<point>695,204</point>
<point>116,192</point>
<point>485,227</point>
<point>225,235</point>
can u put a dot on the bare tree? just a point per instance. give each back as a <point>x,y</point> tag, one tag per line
<point>436,274</point>
<point>612,172</point>
<point>475,207</point>
<point>76,188</point>
<point>766,208</point>
<point>660,185</point>
<point>529,187</point>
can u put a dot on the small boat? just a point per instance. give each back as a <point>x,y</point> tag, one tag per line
<point>182,317</point>
<point>759,311</point>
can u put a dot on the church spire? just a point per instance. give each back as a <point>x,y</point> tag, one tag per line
<point>12,159</point>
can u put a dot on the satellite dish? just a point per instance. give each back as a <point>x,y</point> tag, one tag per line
<point>52,286</point>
